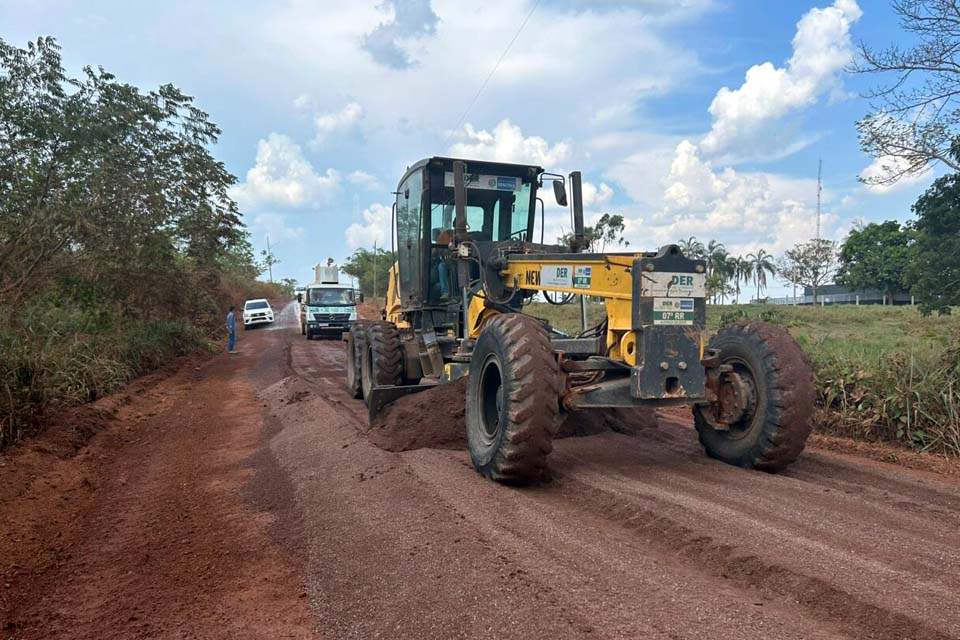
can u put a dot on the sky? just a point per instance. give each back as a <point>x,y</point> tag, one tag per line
<point>701,118</point>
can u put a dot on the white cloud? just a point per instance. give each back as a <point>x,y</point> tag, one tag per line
<point>374,228</point>
<point>595,196</point>
<point>508,144</point>
<point>282,176</point>
<point>346,119</point>
<point>389,44</point>
<point>885,166</point>
<point>748,121</point>
<point>745,210</point>
<point>276,227</point>
<point>363,179</point>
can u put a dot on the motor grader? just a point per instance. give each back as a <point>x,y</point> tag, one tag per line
<point>468,267</point>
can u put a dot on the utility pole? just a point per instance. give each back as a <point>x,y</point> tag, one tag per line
<point>819,191</point>
<point>269,259</point>
<point>374,269</point>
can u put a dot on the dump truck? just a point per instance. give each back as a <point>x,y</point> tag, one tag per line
<point>469,263</point>
<point>327,308</point>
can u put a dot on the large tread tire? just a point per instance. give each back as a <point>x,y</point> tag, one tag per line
<point>354,343</point>
<point>510,439</point>
<point>381,358</point>
<point>783,419</point>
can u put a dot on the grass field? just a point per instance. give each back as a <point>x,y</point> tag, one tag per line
<point>883,373</point>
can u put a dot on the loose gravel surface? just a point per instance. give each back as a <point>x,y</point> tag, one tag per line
<point>247,497</point>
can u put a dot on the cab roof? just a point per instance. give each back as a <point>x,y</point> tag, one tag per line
<point>504,168</point>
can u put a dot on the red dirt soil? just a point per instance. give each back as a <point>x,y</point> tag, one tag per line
<point>246,497</point>
<point>145,531</point>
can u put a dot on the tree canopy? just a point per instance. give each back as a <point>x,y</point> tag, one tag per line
<point>107,185</point>
<point>876,256</point>
<point>934,271</point>
<point>370,269</point>
<point>915,114</point>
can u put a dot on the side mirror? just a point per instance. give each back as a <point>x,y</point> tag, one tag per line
<point>360,297</point>
<point>299,297</point>
<point>560,192</point>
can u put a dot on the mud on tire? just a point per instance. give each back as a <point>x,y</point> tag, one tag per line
<point>355,342</point>
<point>776,432</point>
<point>381,357</point>
<point>512,404</point>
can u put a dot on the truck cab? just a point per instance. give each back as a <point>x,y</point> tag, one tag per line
<point>327,308</point>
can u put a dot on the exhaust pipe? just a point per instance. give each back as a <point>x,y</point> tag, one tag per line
<point>459,202</point>
<point>579,238</point>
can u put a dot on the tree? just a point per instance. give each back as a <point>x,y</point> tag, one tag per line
<point>692,248</point>
<point>109,189</point>
<point>742,270</point>
<point>876,256</point>
<point>609,228</point>
<point>287,286</point>
<point>370,269</point>
<point>761,263</point>
<point>810,264</point>
<point>934,271</point>
<point>915,116</point>
<point>268,259</point>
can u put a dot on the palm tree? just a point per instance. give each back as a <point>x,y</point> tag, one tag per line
<point>742,270</point>
<point>715,254</point>
<point>692,248</point>
<point>762,263</point>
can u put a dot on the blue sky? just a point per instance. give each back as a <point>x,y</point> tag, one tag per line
<point>689,117</point>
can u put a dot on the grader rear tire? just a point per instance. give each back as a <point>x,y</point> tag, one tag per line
<point>381,357</point>
<point>512,404</point>
<point>774,431</point>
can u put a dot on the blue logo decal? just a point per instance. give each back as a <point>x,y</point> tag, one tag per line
<point>686,305</point>
<point>506,184</point>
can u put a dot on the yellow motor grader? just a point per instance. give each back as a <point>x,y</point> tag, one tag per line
<point>467,268</point>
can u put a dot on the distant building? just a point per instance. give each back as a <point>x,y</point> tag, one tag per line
<point>837,294</point>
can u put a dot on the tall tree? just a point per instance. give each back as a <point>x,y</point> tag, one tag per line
<point>102,182</point>
<point>370,268</point>
<point>876,256</point>
<point>915,115</point>
<point>762,265</point>
<point>609,229</point>
<point>742,271</point>
<point>811,264</point>
<point>934,271</point>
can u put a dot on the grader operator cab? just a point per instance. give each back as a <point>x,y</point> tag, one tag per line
<point>469,260</point>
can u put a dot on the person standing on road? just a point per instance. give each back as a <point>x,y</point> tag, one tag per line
<point>232,328</point>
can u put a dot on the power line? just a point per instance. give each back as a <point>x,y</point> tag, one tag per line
<point>495,67</point>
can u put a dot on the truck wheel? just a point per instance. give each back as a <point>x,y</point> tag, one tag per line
<point>512,406</point>
<point>381,359</point>
<point>775,380</point>
<point>354,343</point>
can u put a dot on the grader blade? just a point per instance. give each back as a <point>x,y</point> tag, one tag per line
<point>380,397</point>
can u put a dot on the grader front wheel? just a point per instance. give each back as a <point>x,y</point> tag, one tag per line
<point>355,345</point>
<point>512,403</point>
<point>381,358</point>
<point>765,397</point>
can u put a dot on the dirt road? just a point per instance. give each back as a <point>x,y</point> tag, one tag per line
<point>246,498</point>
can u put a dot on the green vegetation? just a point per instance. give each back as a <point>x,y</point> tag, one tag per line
<point>119,245</point>
<point>370,269</point>
<point>883,373</point>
